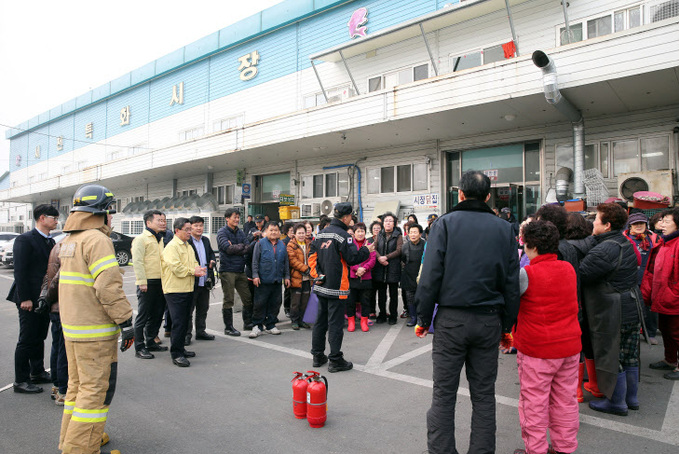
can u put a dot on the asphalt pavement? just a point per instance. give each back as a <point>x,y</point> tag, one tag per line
<point>237,398</point>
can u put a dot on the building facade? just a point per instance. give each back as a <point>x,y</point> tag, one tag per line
<point>380,102</point>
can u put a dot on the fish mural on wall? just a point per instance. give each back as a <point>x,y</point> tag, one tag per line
<point>357,22</point>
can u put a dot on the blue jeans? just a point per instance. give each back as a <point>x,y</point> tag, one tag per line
<point>267,304</point>
<point>58,360</point>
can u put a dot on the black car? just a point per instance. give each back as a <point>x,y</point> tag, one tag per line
<point>123,245</point>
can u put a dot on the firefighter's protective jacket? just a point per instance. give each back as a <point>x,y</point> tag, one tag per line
<point>92,302</point>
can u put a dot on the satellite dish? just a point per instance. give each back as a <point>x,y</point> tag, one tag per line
<point>632,185</point>
<point>327,206</point>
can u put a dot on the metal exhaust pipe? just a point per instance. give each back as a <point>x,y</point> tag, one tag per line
<point>554,97</point>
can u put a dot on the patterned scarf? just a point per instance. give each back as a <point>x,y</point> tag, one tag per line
<point>642,238</point>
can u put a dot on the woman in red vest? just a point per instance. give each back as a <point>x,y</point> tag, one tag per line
<point>547,339</point>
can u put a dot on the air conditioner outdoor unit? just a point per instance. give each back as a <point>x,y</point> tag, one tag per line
<point>327,205</point>
<point>311,210</point>
<point>660,181</point>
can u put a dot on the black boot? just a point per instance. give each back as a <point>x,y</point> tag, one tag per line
<point>229,330</point>
<point>247,318</point>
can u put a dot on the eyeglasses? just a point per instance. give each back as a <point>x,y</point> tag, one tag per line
<point>187,230</point>
<point>56,218</point>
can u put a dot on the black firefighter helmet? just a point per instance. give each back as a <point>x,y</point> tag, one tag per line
<point>93,198</point>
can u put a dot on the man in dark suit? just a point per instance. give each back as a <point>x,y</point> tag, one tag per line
<point>201,293</point>
<point>31,253</point>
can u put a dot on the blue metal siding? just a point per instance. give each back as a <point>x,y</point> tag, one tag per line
<point>170,61</point>
<point>121,83</point>
<point>277,59</point>
<point>202,47</point>
<point>195,78</point>
<point>144,73</point>
<point>63,128</point>
<point>101,92</point>
<point>240,30</point>
<point>83,100</point>
<point>285,12</point>
<point>282,53</point>
<point>39,138</point>
<point>95,115</point>
<point>138,101</point>
<point>330,29</point>
<point>18,147</point>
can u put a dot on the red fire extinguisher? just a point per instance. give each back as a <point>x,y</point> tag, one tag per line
<point>316,399</point>
<point>299,387</point>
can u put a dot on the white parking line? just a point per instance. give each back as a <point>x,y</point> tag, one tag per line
<point>382,349</point>
<point>668,434</point>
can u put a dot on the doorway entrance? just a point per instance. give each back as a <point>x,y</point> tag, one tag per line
<point>514,171</point>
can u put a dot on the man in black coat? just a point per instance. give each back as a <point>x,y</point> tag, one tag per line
<point>31,253</point>
<point>471,269</point>
<point>201,291</point>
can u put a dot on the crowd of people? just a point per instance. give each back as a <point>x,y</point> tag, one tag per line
<point>570,296</point>
<point>577,297</point>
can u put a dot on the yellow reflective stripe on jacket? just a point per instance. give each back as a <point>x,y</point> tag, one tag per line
<point>84,332</point>
<point>74,278</point>
<point>85,415</point>
<point>102,264</point>
<point>68,407</point>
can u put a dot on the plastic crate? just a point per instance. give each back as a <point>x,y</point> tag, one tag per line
<point>288,212</point>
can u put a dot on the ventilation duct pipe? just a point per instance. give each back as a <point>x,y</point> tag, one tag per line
<point>563,105</point>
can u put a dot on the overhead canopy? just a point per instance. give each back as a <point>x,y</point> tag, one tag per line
<point>431,22</point>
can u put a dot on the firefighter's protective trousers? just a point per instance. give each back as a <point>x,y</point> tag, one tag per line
<point>92,373</point>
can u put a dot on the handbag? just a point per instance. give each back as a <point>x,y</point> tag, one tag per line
<point>311,313</point>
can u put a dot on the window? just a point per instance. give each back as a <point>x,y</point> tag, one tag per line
<point>623,155</point>
<point>137,227</point>
<point>229,123</point>
<point>614,21</point>
<point>318,186</point>
<point>655,153</point>
<point>187,192</point>
<point>191,134</point>
<point>599,26</point>
<point>400,178</point>
<point>663,11</point>
<point>564,156</point>
<point>387,179</point>
<point>135,150</point>
<point>478,57</point>
<point>398,77</point>
<point>532,157</point>
<point>224,194</point>
<point>331,184</point>
<point>334,95</point>
<point>217,223</point>
<point>112,156</point>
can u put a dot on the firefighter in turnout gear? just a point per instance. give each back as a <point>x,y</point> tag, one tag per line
<point>94,311</point>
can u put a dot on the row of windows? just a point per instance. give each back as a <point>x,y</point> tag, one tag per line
<point>613,157</point>
<point>331,184</point>
<point>219,125</point>
<point>617,21</point>
<point>380,180</point>
<point>400,178</point>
